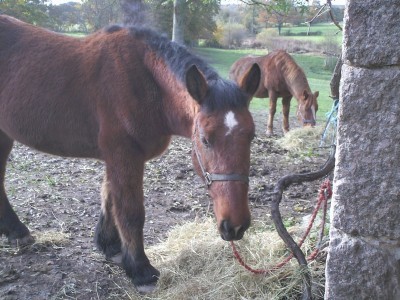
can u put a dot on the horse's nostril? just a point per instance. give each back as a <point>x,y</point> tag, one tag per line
<point>225,226</point>
<point>229,233</point>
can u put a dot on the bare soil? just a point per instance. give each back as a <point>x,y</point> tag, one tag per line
<point>59,200</point>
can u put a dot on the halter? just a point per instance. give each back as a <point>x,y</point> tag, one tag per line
<point>210,177</point>
<point>304,120</point>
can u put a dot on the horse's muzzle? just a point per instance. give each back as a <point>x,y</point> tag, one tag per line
<point>232,233</point>
<point>309,123</point>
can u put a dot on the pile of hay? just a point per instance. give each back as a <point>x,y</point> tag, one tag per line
<point>195,263</point>
<point>301,141</point>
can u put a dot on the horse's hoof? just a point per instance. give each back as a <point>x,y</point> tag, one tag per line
<point>20,242</point>
<point>146,289</point>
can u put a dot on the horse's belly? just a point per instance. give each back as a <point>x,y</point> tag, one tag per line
<point>55,136</point>
<point>63,145</point>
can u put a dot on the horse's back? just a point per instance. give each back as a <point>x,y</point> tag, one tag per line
<point>281,62</point>
<point>240,66</point>
<point>42,94</point>
<point>60,94</point>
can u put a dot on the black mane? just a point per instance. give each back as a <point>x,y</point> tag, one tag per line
<point>222,93</point>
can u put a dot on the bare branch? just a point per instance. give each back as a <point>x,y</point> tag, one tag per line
<point>280,186</point>
<point>332,17</point>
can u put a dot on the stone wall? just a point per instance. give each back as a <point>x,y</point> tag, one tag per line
<point>364,256</point>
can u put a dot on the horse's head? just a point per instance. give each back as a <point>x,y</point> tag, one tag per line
<point>222,133</point>
<point>308,106</point>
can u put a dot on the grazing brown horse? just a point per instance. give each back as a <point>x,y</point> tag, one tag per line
<point>118,96</point>
<point>280,77</point>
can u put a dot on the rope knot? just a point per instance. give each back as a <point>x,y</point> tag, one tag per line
<point>325,191</point>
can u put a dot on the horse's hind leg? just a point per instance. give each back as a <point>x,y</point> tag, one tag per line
<point>10,225</point>
<point>107,236</point>
<point>285,112</point>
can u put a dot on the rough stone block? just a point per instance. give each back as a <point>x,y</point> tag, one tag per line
<point>372,33</point>
<point>367,179</point>
<point>361,269</point>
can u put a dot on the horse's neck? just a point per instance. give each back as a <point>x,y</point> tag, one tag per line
<point>178,106</point>
<point>180,111</point>
<point>296,83</point>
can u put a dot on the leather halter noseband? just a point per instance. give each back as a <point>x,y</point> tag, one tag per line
<point>304,120</point>
<point>210,177</point>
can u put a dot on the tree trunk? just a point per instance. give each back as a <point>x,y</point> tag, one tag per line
<point>335,80</point>
<point>178,22</point>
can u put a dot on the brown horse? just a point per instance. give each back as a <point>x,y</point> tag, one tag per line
<point>118,96</point>
<point>280,77</point>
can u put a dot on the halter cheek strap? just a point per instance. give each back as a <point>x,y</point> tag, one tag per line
<point>210,177</point>
<point>304,120</point>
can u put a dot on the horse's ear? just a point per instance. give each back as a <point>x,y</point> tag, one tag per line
<point>251,80</point>
<point>316,94</point>
<point>196,84</point>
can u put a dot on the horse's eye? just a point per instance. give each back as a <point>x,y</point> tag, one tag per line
<point>205,142</point>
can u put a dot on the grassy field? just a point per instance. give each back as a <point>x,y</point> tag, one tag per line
<point>318,77</point>
<point>328,31</point>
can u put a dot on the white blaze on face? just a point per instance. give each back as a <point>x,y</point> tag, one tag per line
<point>313,112</point>
<point>230,122</point>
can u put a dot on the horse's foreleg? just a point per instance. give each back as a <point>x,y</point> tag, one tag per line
<point>285,112</point>
<point>16,232</point>
<point>107,236</point>
<point>125,171</point>
<point>272,111</point>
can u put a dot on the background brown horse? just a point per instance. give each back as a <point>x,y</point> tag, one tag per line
<point>280,77</point>
<point>118,96</point>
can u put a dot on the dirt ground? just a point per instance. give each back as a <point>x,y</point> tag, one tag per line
<point>59,200</point>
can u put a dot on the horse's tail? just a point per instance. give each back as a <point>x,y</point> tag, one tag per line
<point>135,12</point>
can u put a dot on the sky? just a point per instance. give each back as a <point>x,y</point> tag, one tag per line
<point>338,2</point>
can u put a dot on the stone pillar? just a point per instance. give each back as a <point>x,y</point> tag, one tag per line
<point>364,256</point>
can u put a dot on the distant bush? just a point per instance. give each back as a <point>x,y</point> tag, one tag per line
<point>291,45</point>
<point>230,34</point>
<point>289,32</point>
<point>266,34</point>
<point>332,51</point>
<point>211,43</point>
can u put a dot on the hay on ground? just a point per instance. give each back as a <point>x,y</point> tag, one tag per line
<point>195,263</point>
<point>301,140</point>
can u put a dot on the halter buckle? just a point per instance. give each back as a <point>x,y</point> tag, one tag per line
<point>207,178</point>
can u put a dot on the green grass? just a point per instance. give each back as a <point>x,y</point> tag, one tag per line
<point>324,28</point>
<point>318,78</point>
<point>326,32</point>
<point>319,39</point>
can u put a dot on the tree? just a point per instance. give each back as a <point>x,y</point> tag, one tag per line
<point>178,21</point>
<point>31,11</point>
<point>66,16</point>
<point>195,18</point>
<point>100,13</point>
<point>135,12</point>
<point>278,11</point>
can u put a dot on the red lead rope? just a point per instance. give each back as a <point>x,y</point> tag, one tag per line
<point>324,194</point>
